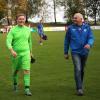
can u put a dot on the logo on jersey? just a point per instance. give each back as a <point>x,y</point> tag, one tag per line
<point>85,30</point>
<point>73,29</point>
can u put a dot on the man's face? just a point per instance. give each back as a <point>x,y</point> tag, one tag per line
<point>21,20</point>
<point>77,19</point>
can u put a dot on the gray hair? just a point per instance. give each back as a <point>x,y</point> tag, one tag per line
<point>79,15</point>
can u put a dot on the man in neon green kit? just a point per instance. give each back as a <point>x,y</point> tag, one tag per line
<point>20,46</point>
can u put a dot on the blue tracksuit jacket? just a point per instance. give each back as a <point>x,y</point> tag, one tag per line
<point>77,37</point>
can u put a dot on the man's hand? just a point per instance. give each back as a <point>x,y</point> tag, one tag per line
<point>14,54</point>
<point>66,56</point>
<point>32,58</point>
<point>87,46</point>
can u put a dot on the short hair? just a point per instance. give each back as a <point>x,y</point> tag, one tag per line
<point>21,14</point>
<point>79,15</point>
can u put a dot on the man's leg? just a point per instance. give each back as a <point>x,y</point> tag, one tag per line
<point>41,42</point>
<point>26,69</point>
<point>16,68</point>
<point>77,71</point>
<point>15,80</point>
<point>27,82</point>
<point>40,37</point>
<point>83,63</point>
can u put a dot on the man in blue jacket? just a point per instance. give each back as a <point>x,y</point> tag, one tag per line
<point>79,38</point>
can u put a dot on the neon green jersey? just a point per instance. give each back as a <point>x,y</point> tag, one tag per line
<point>19,38</point>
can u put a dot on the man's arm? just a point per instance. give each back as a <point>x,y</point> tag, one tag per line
<point>9,43</point>
<point>30,43</point>
<point>66,44</point>
<point>9,40</point>
<point>90,39</point>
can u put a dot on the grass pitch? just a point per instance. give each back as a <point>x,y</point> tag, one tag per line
<point>52,77</point>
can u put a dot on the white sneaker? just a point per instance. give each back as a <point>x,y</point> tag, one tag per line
<point>27,92</point>
<point>80,92</point>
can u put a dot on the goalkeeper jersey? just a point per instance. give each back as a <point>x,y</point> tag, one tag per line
<point>19,38</point>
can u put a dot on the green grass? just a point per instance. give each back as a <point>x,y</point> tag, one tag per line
<point>52,77</point>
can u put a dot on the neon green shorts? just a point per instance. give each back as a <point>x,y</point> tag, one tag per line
<point>22,61</point>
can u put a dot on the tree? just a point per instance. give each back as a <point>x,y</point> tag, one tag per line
<point>54,2</point>
<point>40,9</point>
<point>71,7</point>
<point>74,6</point>
<point>35,6</point>
<point>3,7</point>
<point>13,7</point>
<point>93,9</point>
